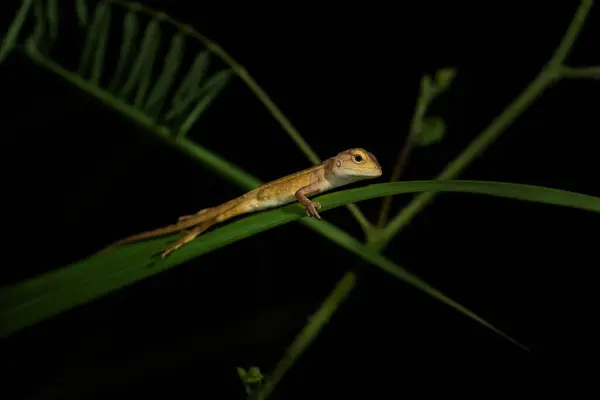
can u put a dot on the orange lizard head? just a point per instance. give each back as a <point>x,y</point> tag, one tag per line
<point>356,164</point>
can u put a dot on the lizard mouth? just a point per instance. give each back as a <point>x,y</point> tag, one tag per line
<point>370,173</point>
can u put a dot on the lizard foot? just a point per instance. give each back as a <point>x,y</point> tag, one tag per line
<point>191,235</point>
<point>186,239</point>
<point>311,209</point>
<point>170,250</point>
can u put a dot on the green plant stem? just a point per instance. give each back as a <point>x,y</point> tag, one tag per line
<point>580,72</point>
<point>243,74</point>
<point>426,96</point>
<point>401,163</point>
<point>310,332</point>
<point>548,76</point>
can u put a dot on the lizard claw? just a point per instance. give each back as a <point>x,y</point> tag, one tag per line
<point>311,210</point>
<point>170,250</point>
<point>180,242</point>
<point>189,236</point>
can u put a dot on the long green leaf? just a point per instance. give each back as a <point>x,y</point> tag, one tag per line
<point>42,297</point>
<point>9,41</point>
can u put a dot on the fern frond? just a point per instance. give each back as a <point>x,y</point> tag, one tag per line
<point>142,79</point>
<point>9,42</point>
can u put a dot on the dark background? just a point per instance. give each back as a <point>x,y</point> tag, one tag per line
<point>78,176</point>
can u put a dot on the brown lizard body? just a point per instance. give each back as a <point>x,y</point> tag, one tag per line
<point>347,167</point>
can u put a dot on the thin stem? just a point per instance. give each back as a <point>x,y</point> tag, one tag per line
<point>562,52</point>
<point>364,223</point>
<point>243,74</point>
<point>9,41</point>
<point>310,332</point>
<point>545,78</point>
<point>426,96</point>
<point>401,163</point>
<point>580,72</point>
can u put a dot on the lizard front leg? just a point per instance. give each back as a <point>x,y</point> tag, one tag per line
<point>311,206</point>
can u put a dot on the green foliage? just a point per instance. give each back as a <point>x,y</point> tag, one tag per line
<point>444,77</point>
<point>167,104</point>
<point>309,334</point>
<point>427,130</point>
<point>42,297</point>
<point>546,78</point>
<point>141,80</point>
<point>432,131</point>
<point>252,379</point>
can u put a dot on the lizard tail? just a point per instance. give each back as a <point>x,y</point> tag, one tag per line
<point>180,226</point>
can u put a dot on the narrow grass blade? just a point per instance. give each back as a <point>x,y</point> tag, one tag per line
<point>141,72</point>
<point>82,12</point>
<point>42,297</point>
<point>91,40</point>
<point>515,191</point>
<point>205,96</point>
<point>10,39</point>
<point>101,41</point>
<point>185,93</point>
<point>168,75</point>
<point>52,8</point>
<point>130,29</point>
<point>40,24</point>
<point>346,241</point>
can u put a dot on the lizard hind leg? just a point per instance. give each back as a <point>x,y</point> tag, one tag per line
<point>184,217</point>
<point>222,214</point>
<point>189,236</point>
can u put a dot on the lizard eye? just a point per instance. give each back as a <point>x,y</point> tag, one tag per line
<point>358,158</point>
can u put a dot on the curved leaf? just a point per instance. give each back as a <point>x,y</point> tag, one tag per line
<point>42,297</point>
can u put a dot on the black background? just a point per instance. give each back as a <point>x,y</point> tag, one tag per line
<point>78,176</point>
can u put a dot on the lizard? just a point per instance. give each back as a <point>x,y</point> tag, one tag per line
<point>347,167</point>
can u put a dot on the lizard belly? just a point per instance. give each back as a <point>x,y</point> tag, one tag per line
<point>264,205</point>
<point>274,201</point>
<point>275,196</point>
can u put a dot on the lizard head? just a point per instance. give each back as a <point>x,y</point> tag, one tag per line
<point>356,164</point>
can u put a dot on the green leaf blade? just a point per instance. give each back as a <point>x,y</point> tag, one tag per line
<point>9,40</point>
<point>130,29</point>
<point>214,85</point>
<point>43,297</point>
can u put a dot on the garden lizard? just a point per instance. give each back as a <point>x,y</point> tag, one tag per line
<point>347,167</point>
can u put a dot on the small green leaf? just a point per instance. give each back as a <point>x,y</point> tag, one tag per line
<point>82,12</point>
<point>444,77</point>
<point>432,131</point>
<point>254,375</point>
<point>427,87</point>
<point>252,379</point>
<point>242,373</point>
